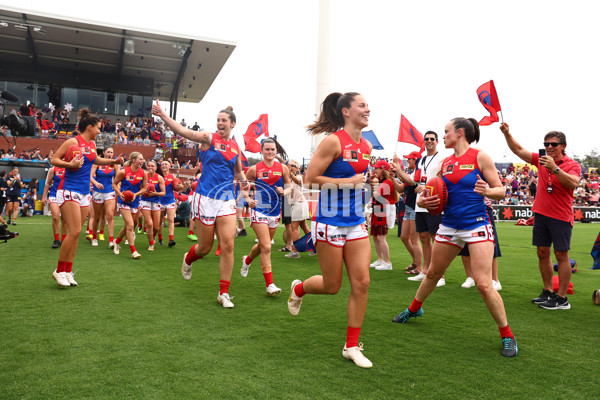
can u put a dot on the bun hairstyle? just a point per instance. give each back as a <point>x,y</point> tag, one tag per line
<point>331,118</point>
<point>86,119</point>
<point>229,111</point>
<point>280,150</point>
<point>470,127</point>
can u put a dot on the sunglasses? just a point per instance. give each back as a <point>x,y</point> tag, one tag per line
<point>429,139</point>
<point>548,144</point>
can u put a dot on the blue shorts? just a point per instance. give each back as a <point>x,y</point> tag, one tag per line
<point>409,213</point>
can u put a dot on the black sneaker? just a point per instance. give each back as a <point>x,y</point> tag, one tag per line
<point>546,294</point>
<point>555,302</point>
<point>242,233</point>
<point>160,242</point>
<point>14,222</point>
<point>56,244</point>
<point>509,347</point>
<point>171,243</point>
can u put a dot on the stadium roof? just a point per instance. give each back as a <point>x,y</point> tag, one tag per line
<point>104,57</point>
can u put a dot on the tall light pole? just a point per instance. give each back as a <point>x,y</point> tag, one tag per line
<point>322,66</point>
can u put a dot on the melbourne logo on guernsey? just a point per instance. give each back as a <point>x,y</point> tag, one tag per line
<point>447,169</point>
<point>467,166</point>
<point>351,155</point>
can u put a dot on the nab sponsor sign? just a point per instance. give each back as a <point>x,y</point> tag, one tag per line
<point>515,213</point>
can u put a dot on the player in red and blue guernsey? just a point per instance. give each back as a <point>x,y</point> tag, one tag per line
<point>53,179</point>
<point>213,203</point>
<point>104,200</point>
<point>73,191</point>
<point>269,178</point>
<point>131,178</point>
<point>470,175</point>
<point>167,202</point>
<point>150,201</point>
<point>338,169</point>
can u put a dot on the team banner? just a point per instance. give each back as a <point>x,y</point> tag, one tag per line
<point>409,134</point>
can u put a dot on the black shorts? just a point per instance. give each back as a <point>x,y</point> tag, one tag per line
<point>13,198</point>
<point>426,222</point>
<point>286,211</point>
<point>551,231</point>
<point>497,252</point>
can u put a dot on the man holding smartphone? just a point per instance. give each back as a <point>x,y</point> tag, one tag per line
<point>558,176</point>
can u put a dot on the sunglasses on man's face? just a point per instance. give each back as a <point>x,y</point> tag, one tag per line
<point>553,144</point>
<point>429,139</point>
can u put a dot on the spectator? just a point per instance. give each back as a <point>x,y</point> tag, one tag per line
<point>553,211</point>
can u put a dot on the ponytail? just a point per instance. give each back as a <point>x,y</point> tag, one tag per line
<point>331,118</point>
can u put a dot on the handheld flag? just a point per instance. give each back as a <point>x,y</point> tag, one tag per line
<point>409,134</point>
<point>370,136</point>
<point>596,253</point>
<point>255,130</point>
<point>489,99</point>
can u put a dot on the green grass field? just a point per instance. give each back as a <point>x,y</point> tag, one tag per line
<point>137,329</point>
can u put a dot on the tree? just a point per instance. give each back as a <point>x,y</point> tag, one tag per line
<point>590,160</point>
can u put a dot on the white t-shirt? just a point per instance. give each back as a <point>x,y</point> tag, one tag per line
<point>429,166</point>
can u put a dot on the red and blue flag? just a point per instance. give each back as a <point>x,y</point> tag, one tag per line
<point>489,99</point>
<point>409,134</point>
<point>256,129</point>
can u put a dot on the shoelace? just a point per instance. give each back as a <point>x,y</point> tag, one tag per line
<point>507,343</point>
<point>360,346</point>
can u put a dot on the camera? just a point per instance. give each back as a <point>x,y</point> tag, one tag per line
<point>18,125</point>
<point>5,234</point>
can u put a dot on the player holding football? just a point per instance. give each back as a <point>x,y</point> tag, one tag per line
<point>167,202</point>
<point>73,192</point>
<point>150,201</point>
<point>134,179</point>
<point>465,220</point>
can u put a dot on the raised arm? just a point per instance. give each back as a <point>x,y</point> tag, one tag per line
<point>178,129</point>
<point>514,146</point>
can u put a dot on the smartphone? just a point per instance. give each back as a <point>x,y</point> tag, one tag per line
<point>542,152</point>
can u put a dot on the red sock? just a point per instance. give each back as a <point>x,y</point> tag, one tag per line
<point>132,247</point>
<point>60,267</point>
<point>160,236</point>
<point>191,255</point>
<point>56,236</point>
<point>415,306</point>
<point>224,286</point>
<point>191,232</point>
<point>101,232</point>
<point>94,236</point>
<point>151,242</point>
<point>62,238</point>
<point>268,278</point>
<point>249,260</point>
<point>352,337</point>
<point>119,240</point>
<point>144,229</point>
<point>68,266</point>
<point>299,289</point>
<point>506,332</point>
<point>110,238</point>
<point>170,238</point>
